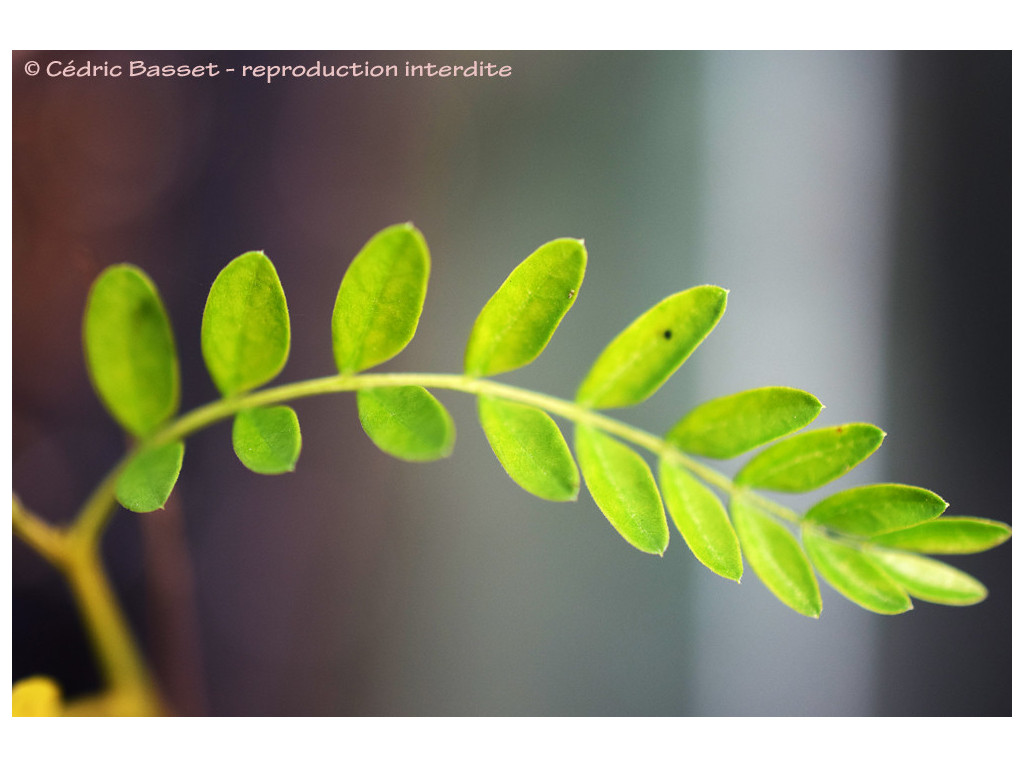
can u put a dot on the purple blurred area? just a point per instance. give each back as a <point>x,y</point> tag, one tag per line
<point>360,585</point>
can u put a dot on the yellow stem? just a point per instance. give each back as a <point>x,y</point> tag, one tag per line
<point>75,551</point>
<point>131,689</point>
<point>47,540</point>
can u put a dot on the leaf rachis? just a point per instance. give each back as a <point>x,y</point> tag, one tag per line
<point>873,543</point>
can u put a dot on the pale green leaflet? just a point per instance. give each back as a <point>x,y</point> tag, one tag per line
<point>871,543</point>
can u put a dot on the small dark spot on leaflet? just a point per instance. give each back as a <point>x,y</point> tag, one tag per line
<point>668,333</point>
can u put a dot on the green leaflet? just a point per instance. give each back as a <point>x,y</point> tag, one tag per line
<point>129,349</point>
<point>149,478</point>
<point>519,320</point>
<point>531,448</point>
<point>875,509</point>
<point>380,299</point>
<point>406,422</point>
<point>644,355</point>
<point>930,580</point>
<point>267,440</point>
<point>246,332</point>
<point>948,536</point>
<point>776,557</point>
<point>623,488</point>
<point>859,540</point>
<point>811,459</point>
<point>729,426</point>
<point>855,576</point>
<point>701,518</point>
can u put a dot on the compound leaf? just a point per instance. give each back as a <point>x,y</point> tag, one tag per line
<point>406,422</point>
<point>948,536</point>
<point>129,349</point>
<point>147,481</point>
<point>855,576</point>
<point>701,518</point>
<point>380,299</point>
<point>811,459</point>
<point>519,320</point>
<point>267,440</point>
<point>645,354</point>
<point>875,509</point>
<point>623,488</point>
<point>729,426</point>
<point>929,579</point>
<point>776,557</point>
<point>246,332</point>
<point>531,448</point>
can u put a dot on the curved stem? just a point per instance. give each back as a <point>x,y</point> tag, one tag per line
<point>97,510</point>
<point>75,550</point>
<point>94,515</point>
<point>206,415</point>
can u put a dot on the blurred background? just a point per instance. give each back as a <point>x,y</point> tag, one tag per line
<point>856,204</point>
